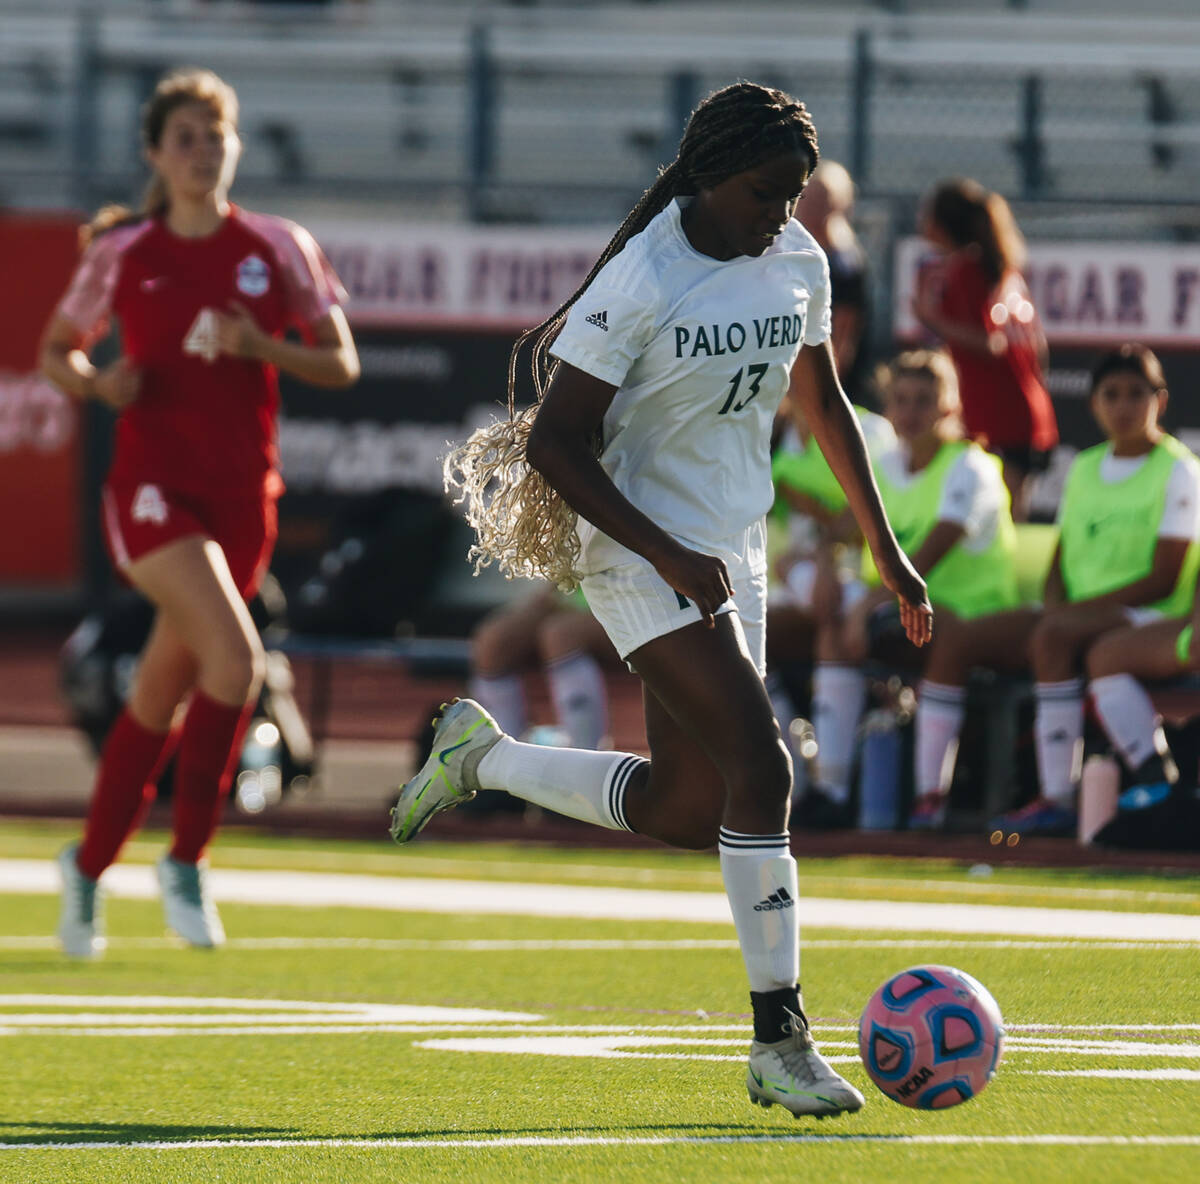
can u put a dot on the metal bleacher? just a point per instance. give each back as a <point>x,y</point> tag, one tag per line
<point>560,112</point>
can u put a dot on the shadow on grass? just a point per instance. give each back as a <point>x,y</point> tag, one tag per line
<point>102,1133</point>
<point>133,1132</point>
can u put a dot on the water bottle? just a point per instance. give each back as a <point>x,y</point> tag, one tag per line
<point>882,752</point>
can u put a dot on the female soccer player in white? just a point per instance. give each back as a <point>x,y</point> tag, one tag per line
<point>651,435</point>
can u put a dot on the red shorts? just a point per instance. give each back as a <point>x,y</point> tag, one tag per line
<point>138,519</point>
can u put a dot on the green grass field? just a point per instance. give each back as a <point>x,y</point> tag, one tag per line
<point>568,1048</point>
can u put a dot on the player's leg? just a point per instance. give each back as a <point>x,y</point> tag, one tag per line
<point>503,648</point>
<point>941,708</point>
<point>718,762</point>
<point>1057,647</point>
<point>1117,664</point>
<point>839,694</point>
<point>998,641</point>
<point>791,641</point>
<point>198,596</point>
<point>571,644</point>
<point>135,750</point>
<point>718,773</point>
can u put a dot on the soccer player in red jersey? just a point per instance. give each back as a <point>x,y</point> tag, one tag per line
<point>977,302</point>
<point>204,293</point>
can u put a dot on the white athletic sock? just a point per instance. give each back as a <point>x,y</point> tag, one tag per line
<point>760,881</point>
<point>580,698</point>
<point>1128,717</point>
<point>503,697</point>
<point>1059,733</point>
<point>839,693</point>
<point>940,711</point>
<point>576,782</point>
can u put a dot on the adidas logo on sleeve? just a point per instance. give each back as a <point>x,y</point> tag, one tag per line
<point>599,319</point>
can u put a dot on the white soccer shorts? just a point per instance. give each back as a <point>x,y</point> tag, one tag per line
<point>634,604</point>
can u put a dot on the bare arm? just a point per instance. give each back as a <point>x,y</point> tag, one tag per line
<point>847,333</point>
<point>815,386</point>
<point>937,545</point>
<point>1055,592</point>
<point>63,360</point>
<point>962,335</point>
<point>560,449</point>
<point>331,361</point>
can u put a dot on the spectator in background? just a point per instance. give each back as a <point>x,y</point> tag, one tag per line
<point>204,293</point>
<point>977,302</point>
<point>824,211</point>
<point>818,565</point>
<point>1117,666</point>
<point>550,631</point>
<point>947,503</point>
<point>1127,554</point>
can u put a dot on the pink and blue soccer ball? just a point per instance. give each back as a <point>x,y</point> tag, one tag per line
<point>931,1037</point>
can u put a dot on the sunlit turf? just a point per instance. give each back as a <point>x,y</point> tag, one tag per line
<point>849,877</point>
<point>74,1082</point>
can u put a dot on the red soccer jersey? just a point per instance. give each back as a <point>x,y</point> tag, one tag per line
<point>203,422</point>
<point>1003,399</point>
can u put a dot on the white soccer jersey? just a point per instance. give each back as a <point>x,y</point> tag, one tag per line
<point>701,352</point>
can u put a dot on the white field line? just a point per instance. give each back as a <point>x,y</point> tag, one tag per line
<point>886,887</point>
<point>655,877</point>
<point>1128,1074</point>
<point>475,898</point>
<point>502,945</point>
<point>884,1140</point>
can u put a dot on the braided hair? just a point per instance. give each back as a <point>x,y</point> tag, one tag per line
<point>521,523</point>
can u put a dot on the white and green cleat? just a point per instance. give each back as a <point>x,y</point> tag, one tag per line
<point>793,1073</point>
<point>188,904</point>
<point>81,922</point>
<point>464,734</point>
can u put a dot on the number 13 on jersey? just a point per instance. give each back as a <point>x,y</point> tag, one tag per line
<point>201,339</point>
<point>754,376</point>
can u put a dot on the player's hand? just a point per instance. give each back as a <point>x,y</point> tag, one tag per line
<point>118,384</point>
<point>900,577</point>
<point>703,579</point>
<point>238,334</point>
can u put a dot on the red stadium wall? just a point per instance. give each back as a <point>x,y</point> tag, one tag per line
<point>39,426</point>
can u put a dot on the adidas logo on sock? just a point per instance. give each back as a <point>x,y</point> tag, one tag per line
<point>777,900</point>
<point>599,319</point>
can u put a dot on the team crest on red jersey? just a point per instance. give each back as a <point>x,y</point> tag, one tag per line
<point>253,276</point>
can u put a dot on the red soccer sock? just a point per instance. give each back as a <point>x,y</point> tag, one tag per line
<point>208,754</point>
<point>130,763</point>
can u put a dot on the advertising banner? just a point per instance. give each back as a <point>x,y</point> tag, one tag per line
<point>457,277</point>
<point>1090,293</point>
<point>39,426</point>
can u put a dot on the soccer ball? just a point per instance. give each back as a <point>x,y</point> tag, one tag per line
<point>931,1037</point>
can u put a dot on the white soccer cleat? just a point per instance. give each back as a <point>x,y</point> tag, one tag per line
<point>792,1073</point>
<point>188,904</point>
<point>80,924</point>
<point>464,733</point>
